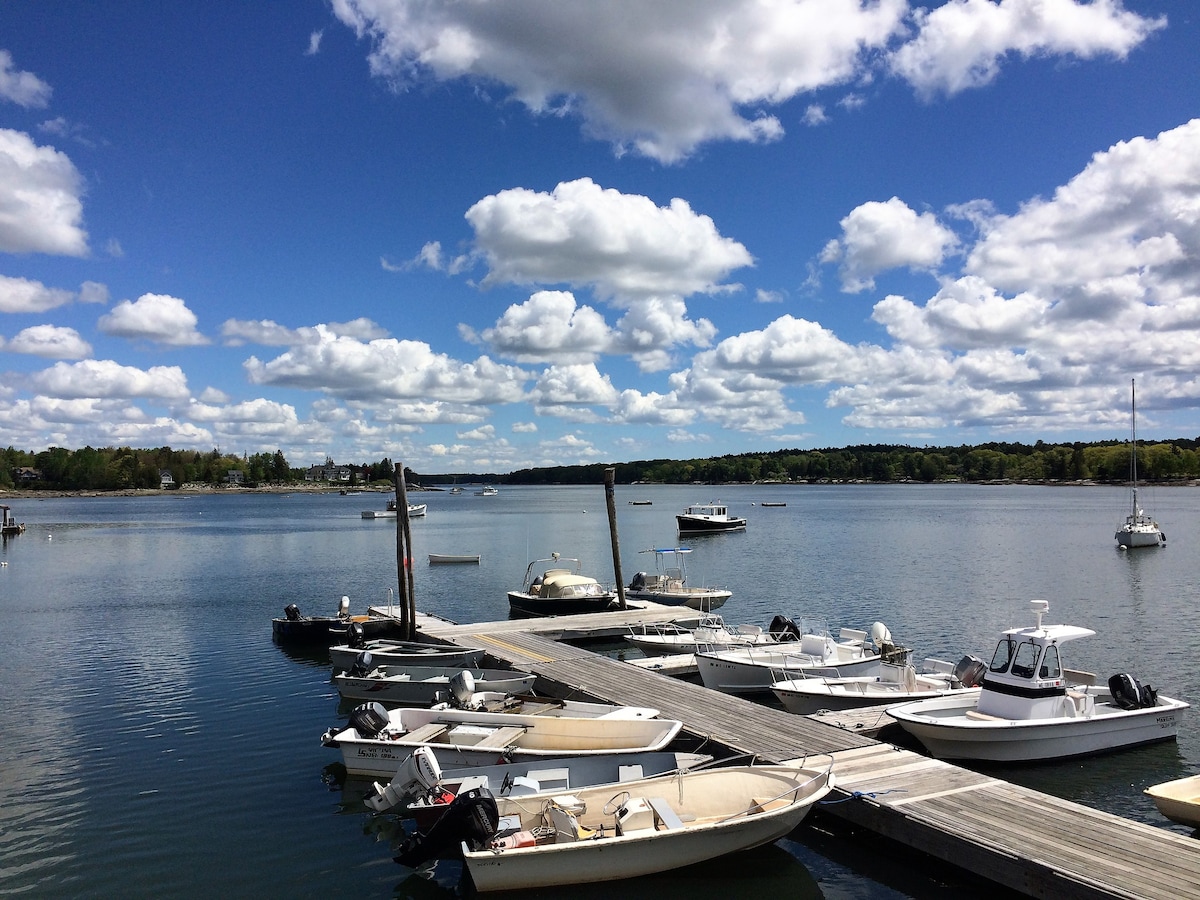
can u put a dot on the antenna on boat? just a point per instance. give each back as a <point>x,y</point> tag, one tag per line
<point>1040,608</point>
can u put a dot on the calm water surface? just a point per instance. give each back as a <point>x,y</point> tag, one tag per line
<point>155,741</point>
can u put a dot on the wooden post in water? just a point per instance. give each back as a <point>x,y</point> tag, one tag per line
<point>408,603</point>
<point>610,477</point>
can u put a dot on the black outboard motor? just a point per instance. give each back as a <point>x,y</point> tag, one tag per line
<point>363,663</point>
<point>292,612</point>
<point>472,817</point>
<point>368,719</point>
<point>970,671</point>
<point>639,582</point>
<point>356,636</point>
<point>784,628</point>
<point>1126,691</point>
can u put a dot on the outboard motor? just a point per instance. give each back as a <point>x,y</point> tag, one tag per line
<point>471,817</point>
<point>368,719</point>
<point>1126,691</point>
<point>970,671</point>
<point>363,663</point>
<point>639,582</point>
<point>462,688</point>
<point>784,628</point>
<point>292,612</point>
<point>356,635</point>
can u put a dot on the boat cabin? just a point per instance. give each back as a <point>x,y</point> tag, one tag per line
<point>1026,678</point>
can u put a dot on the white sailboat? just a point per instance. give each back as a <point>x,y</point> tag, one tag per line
<point>1138,529</point>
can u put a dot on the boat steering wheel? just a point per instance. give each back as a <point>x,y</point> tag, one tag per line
<point>617,801</point>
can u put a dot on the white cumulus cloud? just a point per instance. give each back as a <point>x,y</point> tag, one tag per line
<point>41,209</point>
<point>154,317</point>
<point>880,236</point>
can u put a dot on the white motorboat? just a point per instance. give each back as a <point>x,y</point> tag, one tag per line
<point>555,587</point>
<point>529,779</point>
<point>668,584</point>
<point>638,828</point>
<point>1032,708</point>
<point>388,652</point>
<point>711,633</point>
<point>487,491</point>
<point>426,685</point>
<point>755,668</point>
<point>706,518</point>
<point>1178,800</point>
<point>415,511</point>
<point>1138,529</point>
<point>377,740</point>
<point>894,684</point>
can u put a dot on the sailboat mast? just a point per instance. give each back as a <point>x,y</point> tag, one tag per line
<point>1133,440</point>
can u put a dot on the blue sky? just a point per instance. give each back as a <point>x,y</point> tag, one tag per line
<point>484,236</point>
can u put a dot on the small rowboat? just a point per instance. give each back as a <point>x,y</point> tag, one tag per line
<point>377,741</point>
<point>642,827</point>
<point>451,558</point>
<point>1178,800</point>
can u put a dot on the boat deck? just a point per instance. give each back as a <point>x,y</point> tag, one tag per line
<point>1024,840</point>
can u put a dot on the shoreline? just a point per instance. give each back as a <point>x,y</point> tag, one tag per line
<point>192,489</point>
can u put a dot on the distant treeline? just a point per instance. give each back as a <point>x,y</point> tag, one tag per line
<point>122,467</point>
<point>1175,460</point>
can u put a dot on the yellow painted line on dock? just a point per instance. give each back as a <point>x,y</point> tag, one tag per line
<point>512,648</point>
<point>914,798</point>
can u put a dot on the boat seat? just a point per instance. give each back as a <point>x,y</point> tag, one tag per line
<point>976,714</point>
<point>425,733</point>
<point>502,737</point>
<point>552,779</point>
<point>664,813</point>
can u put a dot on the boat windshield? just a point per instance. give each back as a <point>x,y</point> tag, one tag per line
<point>1025,662</point>
<point>1051,667</point>
<point>1003,655</point>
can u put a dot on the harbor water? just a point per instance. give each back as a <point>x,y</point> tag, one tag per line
<point>154,740</point>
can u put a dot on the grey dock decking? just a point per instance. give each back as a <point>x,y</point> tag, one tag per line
<point>1030,842</point>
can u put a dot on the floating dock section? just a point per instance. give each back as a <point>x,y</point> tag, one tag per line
<point>1024,840</point>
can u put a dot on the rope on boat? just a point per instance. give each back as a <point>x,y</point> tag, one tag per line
<point>859,795</point>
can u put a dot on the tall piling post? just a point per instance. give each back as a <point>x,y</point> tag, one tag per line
<point>610,478</point>
<point>408,603</point>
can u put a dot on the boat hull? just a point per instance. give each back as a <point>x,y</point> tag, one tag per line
<point>700,599</point>
<point>528,606</point>
<point>843,694</point>
<point>330,629</point>
<point>424,686</point>
<point>1178,800</point>
<point>467,738</point>
<point>750,670</point>
<point>647,851</point>
<point>946,730</point>
<point>453,559</point>
<point>1133,538</point>
<point>695,525</point>
<point>405,653</point>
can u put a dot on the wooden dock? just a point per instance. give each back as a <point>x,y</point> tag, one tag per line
<point>1027,841</point>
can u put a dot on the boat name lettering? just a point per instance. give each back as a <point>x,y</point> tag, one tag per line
<point>377,753</point>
